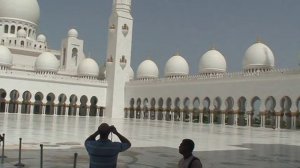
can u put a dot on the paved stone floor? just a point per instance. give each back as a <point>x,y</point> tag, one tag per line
<point>155,143</point>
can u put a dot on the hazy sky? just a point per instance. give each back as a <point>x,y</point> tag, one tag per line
<point>192,27</point>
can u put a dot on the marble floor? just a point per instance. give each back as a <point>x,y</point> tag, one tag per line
<point>154,143</point>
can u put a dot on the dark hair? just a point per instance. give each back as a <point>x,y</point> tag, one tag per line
<point>189,144</point>
<point>104,130</point>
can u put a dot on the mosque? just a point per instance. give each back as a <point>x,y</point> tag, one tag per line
<point>39,80</point>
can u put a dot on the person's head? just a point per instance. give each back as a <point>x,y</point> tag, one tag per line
<point>186,146</point>
<point>104,130</point>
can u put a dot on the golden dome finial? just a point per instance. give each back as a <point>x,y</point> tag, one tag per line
<point>177,53</point>
<point>258,39</point>
<point>213,47</point>
<point>148,57</point>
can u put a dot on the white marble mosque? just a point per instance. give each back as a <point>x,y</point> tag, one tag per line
<point>38,80</point>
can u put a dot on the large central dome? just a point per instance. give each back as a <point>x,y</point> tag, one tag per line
<point>28,10</point>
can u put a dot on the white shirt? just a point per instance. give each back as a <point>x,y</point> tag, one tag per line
<point>184,163</point>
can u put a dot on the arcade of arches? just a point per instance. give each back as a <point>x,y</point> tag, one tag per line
<point>46,105</point>
<point>255,112</point>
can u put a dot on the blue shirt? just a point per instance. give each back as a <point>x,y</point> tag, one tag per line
<point>104,153</point>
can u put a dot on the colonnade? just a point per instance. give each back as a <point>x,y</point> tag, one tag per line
<point>265,119</point>
<point>53,109</point>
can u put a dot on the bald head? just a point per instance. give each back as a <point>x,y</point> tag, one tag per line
<point>104,130</point>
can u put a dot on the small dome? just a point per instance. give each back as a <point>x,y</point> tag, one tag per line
<point>73,33</point>
<point>258,55</point>
<point>88,67</point>
<point>131,73</point>
<point>47,62</point>
<point>28,10</point>
<point>212,62</point>
<point>41,38</point>
<point>147,69</point>
<point>6,58</point>
<point>176,66</point>
<point>21,33</point>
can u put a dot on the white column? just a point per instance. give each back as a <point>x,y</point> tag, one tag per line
<point>201,113</point>
<point>173,116</point>
<point>294,120</point>
<point>156,114</point>
<point>19,106</point>
<point>6,107</point>
<point>67,109</point>
<point>235,114</point>
<point>278,115</point>
<point>278,121</point>
<point>164,115</point>
<point>181,116</point>
<point>223,116</point>
<point>142,116</point>
<point>134,113</point>
<point>190,116</point>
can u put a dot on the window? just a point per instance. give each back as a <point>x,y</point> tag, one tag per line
<point>12,29</point>
<point>29,32</point>
<point>75,54</point>
<point>6,29</point>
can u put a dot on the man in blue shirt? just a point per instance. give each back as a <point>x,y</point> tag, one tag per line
<point>103,152</point>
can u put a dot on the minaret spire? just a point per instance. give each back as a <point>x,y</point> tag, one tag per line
<point>118,57</point>
<point>122,5</point>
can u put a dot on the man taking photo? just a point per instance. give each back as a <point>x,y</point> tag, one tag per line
<point>103,152</point>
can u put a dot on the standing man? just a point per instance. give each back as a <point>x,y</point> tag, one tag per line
<point>189,160</point>
<point>103,152</point>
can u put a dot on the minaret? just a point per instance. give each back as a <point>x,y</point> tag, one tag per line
<point>118,57</point>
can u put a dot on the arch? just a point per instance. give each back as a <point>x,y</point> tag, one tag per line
<point>177,109</point>
<point>270,104</point>
<point>13,29</point>
<point>255,116</point>
<point>217,110</point>
<point>49,110</point>
<point>83,105</point>
<point>196,110</point>
<point>160,109</point>
<point>168,109</point>
<point>73,105</point>
<point>94,106</point>
<point>286,119</point>
<point>131,109</point>
<point>61,108</point>
<point>206,110</point>
<point>38,103</point>
<point>242,116</point>
<point>75,55</point>
<point>153,103</point>
<point>229,114</point>
<point>26,104</point>
<point>13,103</point>
<point>2,100</point>
<point>6,29</point>
<point>298,111</point>
<point>186,110</point>
<point>138,108</point>
<point>146,108</point>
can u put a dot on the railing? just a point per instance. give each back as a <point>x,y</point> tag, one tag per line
<point>224,76</point>
<point>27,74</point>
<point>20,164</point>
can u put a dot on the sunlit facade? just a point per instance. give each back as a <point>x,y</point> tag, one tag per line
<point>38,80</point>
